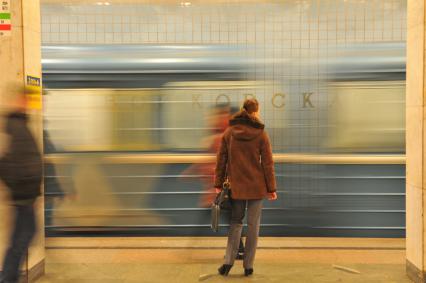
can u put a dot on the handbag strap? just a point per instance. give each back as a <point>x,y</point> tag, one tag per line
<point>221,196</point>
<point>227,183</point>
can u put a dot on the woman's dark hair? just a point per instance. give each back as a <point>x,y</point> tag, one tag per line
<point>251,105</point>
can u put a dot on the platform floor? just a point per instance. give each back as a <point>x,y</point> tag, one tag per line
<point>197,259</point>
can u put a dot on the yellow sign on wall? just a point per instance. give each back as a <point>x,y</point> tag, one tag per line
<point>33,91</point>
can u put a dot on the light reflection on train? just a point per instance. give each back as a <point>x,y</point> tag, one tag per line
<point>105,111</point>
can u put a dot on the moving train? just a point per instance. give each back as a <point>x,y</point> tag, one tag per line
<point>158,97</point>
<point>126,121</point>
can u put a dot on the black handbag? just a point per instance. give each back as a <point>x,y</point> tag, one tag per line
<point>223,201</point>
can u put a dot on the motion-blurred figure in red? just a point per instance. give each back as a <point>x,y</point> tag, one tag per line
<point>218,121</point>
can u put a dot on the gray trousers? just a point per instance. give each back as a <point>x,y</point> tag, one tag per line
<point>254,211</point>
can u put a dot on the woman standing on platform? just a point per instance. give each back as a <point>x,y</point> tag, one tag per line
<point>245,158</point>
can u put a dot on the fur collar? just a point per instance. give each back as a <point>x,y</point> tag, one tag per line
<point>243,118</point>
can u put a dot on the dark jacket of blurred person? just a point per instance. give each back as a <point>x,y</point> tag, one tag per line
<point>21,171</point>
<point>21,167</point>
<point>249,165</point>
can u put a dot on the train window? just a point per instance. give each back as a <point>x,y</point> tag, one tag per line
<point>367,117</point>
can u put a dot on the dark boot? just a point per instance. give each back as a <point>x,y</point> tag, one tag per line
<point>224,269</point>
<point>248,271</point>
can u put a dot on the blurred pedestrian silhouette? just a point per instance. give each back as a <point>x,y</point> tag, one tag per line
<point>54,192</point>
<point>218,122</point>
<point>21,171</point>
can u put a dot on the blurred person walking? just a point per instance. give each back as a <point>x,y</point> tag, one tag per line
<point>21,171</point>
<point>218,122</point>
<point>245,159</point>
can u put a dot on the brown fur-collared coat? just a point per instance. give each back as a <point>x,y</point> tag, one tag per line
<point>245,155</point>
